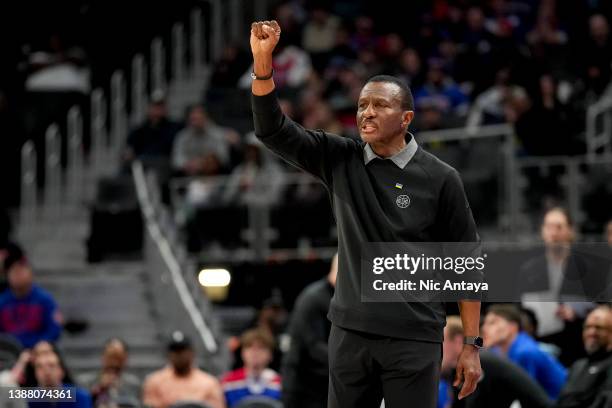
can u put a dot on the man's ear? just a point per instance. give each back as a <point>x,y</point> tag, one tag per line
<point>407,118</point>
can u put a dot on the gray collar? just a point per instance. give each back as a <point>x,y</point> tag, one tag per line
<point>400,158</point>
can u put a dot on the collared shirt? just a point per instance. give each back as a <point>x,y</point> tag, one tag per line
<point>400,159</point>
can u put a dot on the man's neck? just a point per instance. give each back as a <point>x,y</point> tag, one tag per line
<point>386,150</point>
<point>21,293</point>
<point>254,372</point>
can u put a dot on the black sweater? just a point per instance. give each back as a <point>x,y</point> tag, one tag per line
<point>363,199</point>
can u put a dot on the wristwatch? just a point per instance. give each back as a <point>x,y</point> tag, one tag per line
<point>475,341</point>
<point>262,78</point>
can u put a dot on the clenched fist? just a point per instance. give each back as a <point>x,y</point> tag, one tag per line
<point>264,37</point>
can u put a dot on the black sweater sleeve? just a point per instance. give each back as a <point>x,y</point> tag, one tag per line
<point>454,220</point>
<point>313,151</point>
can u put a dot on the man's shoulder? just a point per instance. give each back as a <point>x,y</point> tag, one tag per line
<point>42,294</point>
<point>5,296</point>
<point>158,376</point>
<point>204,378</point>
<point>432,165</point>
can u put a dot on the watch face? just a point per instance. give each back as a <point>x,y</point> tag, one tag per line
<point>478,342</point>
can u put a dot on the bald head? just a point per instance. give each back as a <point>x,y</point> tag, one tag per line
<point>597,331</point>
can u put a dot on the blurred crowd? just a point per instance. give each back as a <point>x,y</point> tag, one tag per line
<point>543,354</point>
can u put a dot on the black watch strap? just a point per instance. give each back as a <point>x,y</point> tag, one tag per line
<point>262,78</point>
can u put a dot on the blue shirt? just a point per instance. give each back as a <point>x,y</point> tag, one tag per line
<point>30,319</point>
<point>542,367</point>
<point>83,400</point>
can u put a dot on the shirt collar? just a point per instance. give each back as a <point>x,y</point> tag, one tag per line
<point>400,159</point>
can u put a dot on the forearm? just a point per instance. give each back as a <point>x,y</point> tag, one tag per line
<point>470,317</point>
<point>262,66</point>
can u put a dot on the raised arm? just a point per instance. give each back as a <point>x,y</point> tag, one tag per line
<point>313,151</point>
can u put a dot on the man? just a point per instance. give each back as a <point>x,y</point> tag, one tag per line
<point>27,311</point>
<point>199,139</point>
<point>305,369</point>
<point>255,378</point>
<point>113,385</point>
<point>376,350</point>
<point>501,382</point>
<point>589,383</point>
<point>152,140</point>
<point>608,233</point>
<point>502,330</point>
<point>49,374</point>
<point>180,380</point>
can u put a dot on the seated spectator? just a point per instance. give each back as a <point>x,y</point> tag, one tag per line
<point>502,330</point>
<point>441,91</point>
<point>258,180</point>
<point>180,381</point>
<point>319,34</point>
<point>200,138</point>
<point>41,348</point>
<point>305,370</point>
<point>254,378</point>
<point>500,384</point>
<point>589,382</point>
<point>113,385</point>
<point>27,311</point>
<point>152,140</point>
<point>597,54</point>
<point>49,373</point>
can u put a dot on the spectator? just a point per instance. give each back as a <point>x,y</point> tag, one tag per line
<point>41,348</point>
<point>180,380</point>
<point>49,373</point>
<point>608,232</point>
<point>258,180</point>
<point>27,311</point>
<point>229,68</point>
<point>501,382</point>
<point>113,385</point>
<point>255,378</point>
<point>441,91</point>
<point>319,34</point>
<point>410,69</point>
<point>305,368</point>
<point>201,138</point>
<point>152,141</point>
<point>551,292</point>
<point>502,330</point>
<point>589,382</point>
<point>598,54</point>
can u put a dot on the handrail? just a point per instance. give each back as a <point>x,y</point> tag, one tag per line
<point>170,259</point>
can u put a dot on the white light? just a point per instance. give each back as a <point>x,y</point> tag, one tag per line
<point>214,278</point>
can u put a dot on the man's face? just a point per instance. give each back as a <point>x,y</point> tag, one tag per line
<point>114,358</point>
<point>197,118</point>
<point>451,348</point>
<point>597,331</point>
<point>181,361</point>
<point>380,117</point>
<point>48,370</point>
<point>256,356</point>
<point>496,330</point>
<point>556,229</point>
<point>20,277</point>
<point>157,111</point>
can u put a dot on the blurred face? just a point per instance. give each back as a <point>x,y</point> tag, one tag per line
<point>497,331</point>
<point>451,348</point>
<point>609,233</point>
<point>48,370</point>
<point>556,229</point>
<point>475,18</point>
<point>256,356</point>
<point>181,361</point>
<point>547,85</point>
<point>157,111</point>
<point>411,61</point>
<point>114,357</point>
<point>380,118</point>
<point>20,277</point>
<point>42,347</point>
<point>598,25</point>
<point>597,334</point>
<point>197,118</point>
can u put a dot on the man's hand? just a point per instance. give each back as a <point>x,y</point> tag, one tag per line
<point>264,37</point>
<point>468,370</point>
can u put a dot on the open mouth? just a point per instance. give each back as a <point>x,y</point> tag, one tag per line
<point>368,128</point>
